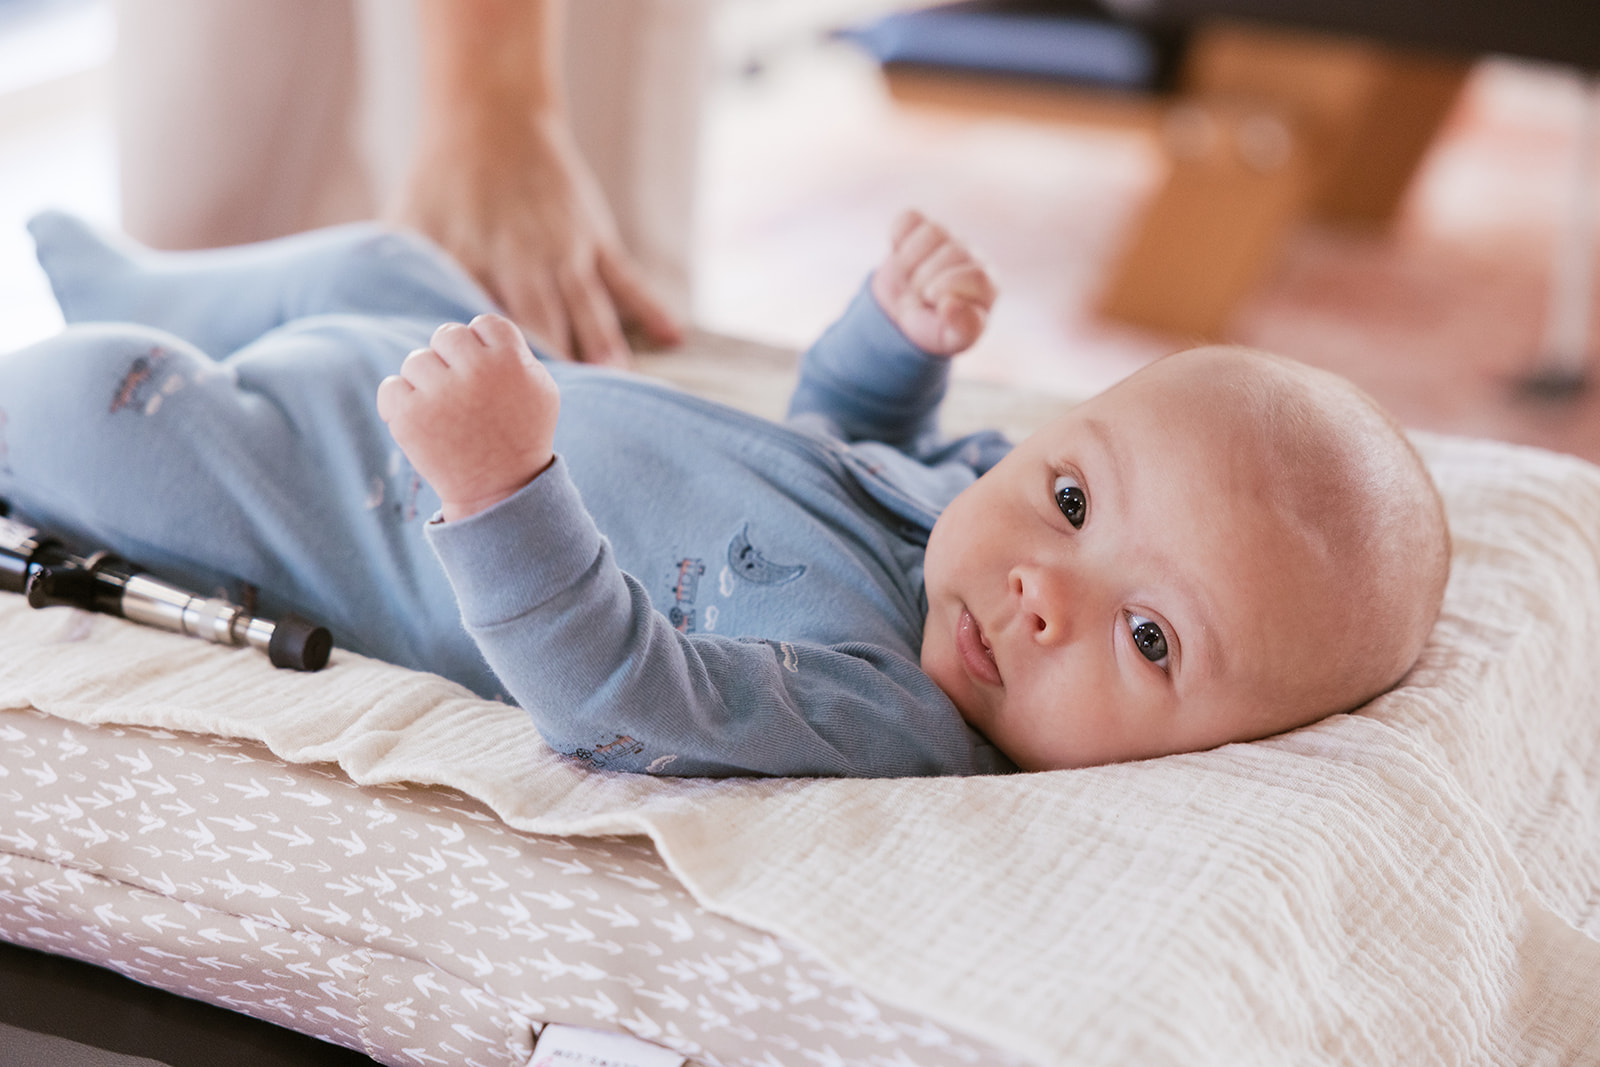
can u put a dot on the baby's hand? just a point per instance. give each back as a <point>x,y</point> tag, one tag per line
<point>933,287</point>
<point>475,413</point>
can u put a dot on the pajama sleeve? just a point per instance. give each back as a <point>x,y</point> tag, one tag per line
<point>607,678</point>
<point>864,380</point>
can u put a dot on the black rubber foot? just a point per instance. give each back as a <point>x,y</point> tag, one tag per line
<point>1552,384</point>
<point>299,645</point>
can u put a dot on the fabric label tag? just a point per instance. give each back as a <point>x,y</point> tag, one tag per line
<point>573,1046</point>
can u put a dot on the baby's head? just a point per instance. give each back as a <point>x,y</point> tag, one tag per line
<point>1224,546</point>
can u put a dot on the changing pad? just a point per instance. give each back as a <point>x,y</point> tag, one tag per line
<point>1417,882</point>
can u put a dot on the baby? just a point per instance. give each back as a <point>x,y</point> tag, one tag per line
<point>1222,547</point>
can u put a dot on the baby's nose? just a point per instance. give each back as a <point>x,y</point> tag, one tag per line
<point>1043,602</point>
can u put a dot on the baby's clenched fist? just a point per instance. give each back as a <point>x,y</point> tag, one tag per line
<point>475,413</point>
<point>932,287</point>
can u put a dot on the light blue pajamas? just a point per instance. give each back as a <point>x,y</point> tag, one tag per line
<point>690,590</point>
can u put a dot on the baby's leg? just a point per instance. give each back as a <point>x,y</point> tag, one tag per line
<point>271,468</point>
<point>221,299</point>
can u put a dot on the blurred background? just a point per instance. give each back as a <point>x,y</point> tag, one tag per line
<point>1441,309</point>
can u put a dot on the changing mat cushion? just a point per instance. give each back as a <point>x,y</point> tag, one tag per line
<point>404,921</point>
<point>1417,882</point>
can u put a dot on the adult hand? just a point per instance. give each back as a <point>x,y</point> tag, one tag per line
<point>517,207</point>
<point>498,182</point>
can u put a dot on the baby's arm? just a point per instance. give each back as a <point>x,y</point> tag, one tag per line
<point>475,414</point>
<point>932,287</point>
<point>879,372</point>
<point>577,643</point>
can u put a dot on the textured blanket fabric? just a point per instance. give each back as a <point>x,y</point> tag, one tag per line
<point>1418,882</point>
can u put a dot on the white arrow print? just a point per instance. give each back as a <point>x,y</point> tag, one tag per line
<point>480,964</point>
<point>314,799</point>
<point>378,815</point>
<point>332,914</point>
<point>569,866</point>
<point>254,791</point>
<point>255,853</point>
<point>601,1005</point>
<point>404,1010</point>
<point>334,1013</point>
<point>45,775</point>
<point>637,881</point>
<point>619,917</point>
<point>493,884</point>
<point>427,986</point>
<point>469,859</point>
<point>678,928</point>
<point>671,999</point>
<point>642,1026</point>
<point>237,823</point>
<point>21,840</point>
<point>69,810</point>
<point>432,863</point>
<point>107,916</point>
<point>218,964</point>
<point>341,966</point>
<point>216,936</point>
<point>299,837</point>
<point>574,931</point>
<point>139,764</point>
<point>352,845</point>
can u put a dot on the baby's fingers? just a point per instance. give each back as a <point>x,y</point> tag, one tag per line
<point>393,392</point>
<point>966,280</point>
<point>499,334</point>
<point>904,225</point>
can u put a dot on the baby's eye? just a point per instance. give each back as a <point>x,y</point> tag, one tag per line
<point>1072,501</point>
<point>1148,639</point>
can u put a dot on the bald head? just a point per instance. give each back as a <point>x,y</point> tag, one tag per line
<point>1344,478</point>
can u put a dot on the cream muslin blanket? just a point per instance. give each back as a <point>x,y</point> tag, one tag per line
<point>1418,882</point>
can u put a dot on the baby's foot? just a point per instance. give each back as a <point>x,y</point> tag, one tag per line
<point>86,268</point>
<point>932,287</point>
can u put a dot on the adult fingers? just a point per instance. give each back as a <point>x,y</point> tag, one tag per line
<point>596,333</point>
<point>533,299</point>
<point>634,301</point>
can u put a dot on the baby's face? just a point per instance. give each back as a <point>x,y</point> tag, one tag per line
<point>1122,586</point>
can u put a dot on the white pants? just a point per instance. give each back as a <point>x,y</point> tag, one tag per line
<point>240,120</point>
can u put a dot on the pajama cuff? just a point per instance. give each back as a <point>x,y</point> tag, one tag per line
<point>509,559</point>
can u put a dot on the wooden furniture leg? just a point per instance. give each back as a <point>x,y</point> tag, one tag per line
<point>1272,127</point>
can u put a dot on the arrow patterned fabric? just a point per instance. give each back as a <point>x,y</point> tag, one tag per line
<point>404,921</point>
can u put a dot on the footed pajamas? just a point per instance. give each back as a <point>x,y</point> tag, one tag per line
<point>688,590</point>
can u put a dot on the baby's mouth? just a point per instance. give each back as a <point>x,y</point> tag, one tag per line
<point>974,650</point>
